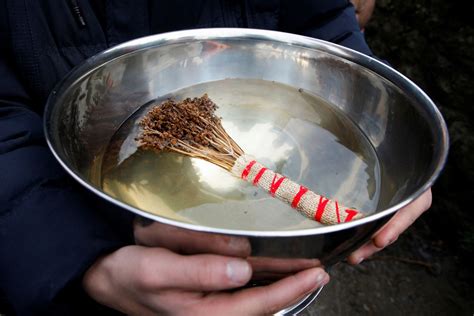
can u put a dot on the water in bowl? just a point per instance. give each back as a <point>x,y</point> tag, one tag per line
<point>289,130</point>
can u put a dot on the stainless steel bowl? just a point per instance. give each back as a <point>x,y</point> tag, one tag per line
<point>401,122</point>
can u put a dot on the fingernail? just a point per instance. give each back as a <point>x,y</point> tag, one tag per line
<point>360,260</point>
<point>319,278</point>
<point>238,271</point>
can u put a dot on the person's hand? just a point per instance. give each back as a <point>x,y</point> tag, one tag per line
<point>184,241</point>
<point>144,280</point>
<point>364,10</point>
<point>395,226</point>
<point>139,280</point>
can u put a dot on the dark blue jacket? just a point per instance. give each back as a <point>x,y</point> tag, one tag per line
<point>51,230</point>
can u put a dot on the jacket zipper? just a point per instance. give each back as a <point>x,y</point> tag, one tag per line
<point>77,12</point>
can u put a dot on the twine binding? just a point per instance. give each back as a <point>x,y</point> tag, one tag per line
<point>308,203</point>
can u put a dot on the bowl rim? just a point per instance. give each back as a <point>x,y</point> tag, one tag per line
<point>178,37</point>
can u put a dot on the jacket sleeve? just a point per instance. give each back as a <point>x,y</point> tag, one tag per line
<point>51,230</point>
<point>330,20</point>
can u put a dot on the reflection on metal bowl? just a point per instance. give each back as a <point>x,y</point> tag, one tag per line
<point>402,125</point>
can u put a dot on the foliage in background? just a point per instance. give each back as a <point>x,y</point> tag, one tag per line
<point>432,43</point>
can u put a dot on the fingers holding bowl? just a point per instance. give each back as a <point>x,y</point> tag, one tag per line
<point>184,241</point>
<point>390,232</point>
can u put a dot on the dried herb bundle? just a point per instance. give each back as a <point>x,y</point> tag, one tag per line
<point>191,128</point>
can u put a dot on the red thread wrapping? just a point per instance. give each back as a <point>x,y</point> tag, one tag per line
<point>337,212</point>
<point>253,172</point>
<point>259,175</point>
<point>247,169</point>
<point>298,196</point>
<point>350,214</point>
<point>321,208</point>
<point>275,185</point>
